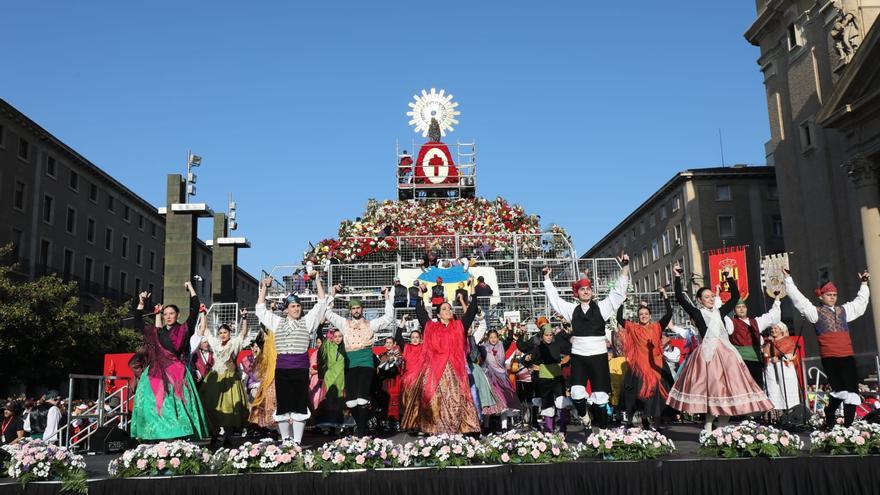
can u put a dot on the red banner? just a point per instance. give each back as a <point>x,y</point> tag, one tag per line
<point>734,259</point>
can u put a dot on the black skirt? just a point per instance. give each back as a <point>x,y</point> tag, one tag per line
<point>359,383</point>
<point>652,406</point>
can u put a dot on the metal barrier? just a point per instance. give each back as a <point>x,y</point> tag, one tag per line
<point>102,413</point>
<point>818,391</point>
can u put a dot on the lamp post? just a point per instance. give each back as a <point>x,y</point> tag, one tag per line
<point>191,161</point>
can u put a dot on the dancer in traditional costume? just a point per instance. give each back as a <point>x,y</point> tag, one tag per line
<point>411,381</point>
<point>293,334</point>
<point>546,358</point>
<point>782,373</point>
<point>360,368</point>
<point>389,371</point>
<point>494,357</point>
<point>446,404</point>
<point>168,406</point>
<point>745,334</point>
<point>589,352</point>
<point>222,392</point>
<point>331,369</point>
<point>316,383</point>
<point>264,402</point>
<point>647,380</point>
<point>835,345</point>
<point>715,379</point>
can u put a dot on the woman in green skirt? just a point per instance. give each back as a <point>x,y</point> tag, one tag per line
<point>166,404</point>
<point>222,392</point>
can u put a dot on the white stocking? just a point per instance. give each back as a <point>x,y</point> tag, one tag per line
<point>298,428</point>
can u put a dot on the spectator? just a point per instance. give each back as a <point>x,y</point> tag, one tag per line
<point>12,425</point>
<point>400,294</point>
<point>461,294</point>
<point>482,293</point>
<point>438,294</point>
<point>53,417</point>
<point>414,294</point>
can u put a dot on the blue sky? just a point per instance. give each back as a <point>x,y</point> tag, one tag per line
<point>580,111</point>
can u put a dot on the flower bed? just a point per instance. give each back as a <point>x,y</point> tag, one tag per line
<point>516,447</point>
<point>36,460</point>
<point>625,444</point>
<point>355,453</point>
<point>162,459</point>
<point>260,457</point>
<point>442,451</point>
<point>749,439</point>
<point>861,438</point>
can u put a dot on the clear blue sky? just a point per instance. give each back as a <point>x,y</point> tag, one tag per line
<point>580,111</point>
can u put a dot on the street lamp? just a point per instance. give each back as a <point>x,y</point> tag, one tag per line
<point>232,224</point>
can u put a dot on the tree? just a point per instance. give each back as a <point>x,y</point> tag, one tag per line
<point>44,336</point>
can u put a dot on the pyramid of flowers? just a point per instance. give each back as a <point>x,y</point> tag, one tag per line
<point>487,225</point>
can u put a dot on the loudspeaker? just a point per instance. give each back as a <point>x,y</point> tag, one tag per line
<point>109,440</point>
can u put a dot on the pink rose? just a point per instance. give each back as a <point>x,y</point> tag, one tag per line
<point>163,452</point>
<point>628,440</point>
<point>505,457</point>
<point>609,444</point>
<point>160,464</point>
<point>338,458</point>
<point>535,453</point>
<point>784,441</point>
<point>555,450</point>
<point>286,457</point>
<point>141,464</point>
<point>360,459</point>
<point>175,462</point>
<point>326,455</point>
<point>839,439</point>
<point>859,440</point>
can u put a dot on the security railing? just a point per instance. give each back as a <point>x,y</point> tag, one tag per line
<point>111,409</point>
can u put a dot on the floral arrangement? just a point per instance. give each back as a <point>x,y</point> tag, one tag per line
<point>624,444</point>
<point>355,453</point>
<point>861,438</point>
<point>442,451</point>
<point>749,439</point>
<point>817,419</point>
<point>436,222</point>
<point>260,457</point>
<point>161,459</point>
<point>36,460</point>
<point>516,447</point>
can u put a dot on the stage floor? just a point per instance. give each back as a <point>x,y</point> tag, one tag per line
<point>682,473</point>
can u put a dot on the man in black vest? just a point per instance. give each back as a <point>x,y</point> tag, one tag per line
<point>589,350</point>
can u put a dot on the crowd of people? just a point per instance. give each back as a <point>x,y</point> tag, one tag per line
<point>442,373</point>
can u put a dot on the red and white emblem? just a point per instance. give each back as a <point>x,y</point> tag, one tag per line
<point>435,165</point>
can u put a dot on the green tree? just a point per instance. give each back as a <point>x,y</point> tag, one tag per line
<point>44,335</point>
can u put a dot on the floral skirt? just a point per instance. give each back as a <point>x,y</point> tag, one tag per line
<point>449,411</point>
<point>263,413</point>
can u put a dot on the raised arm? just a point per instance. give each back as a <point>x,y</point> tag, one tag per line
<point>615,298</point>
<point>621,321</point>
<point>771,317</point>
<point>386,319</point>
<point>667,304</point>
<point>193,315</point>
<point>337,321</point>
<point>269,319</point>
<point>467,319</point>
<point>564,308</point>
<point>727,307</point>
<point>857,306</point>
<point>244,325</point>
<point>801,303</point>
<point>422,313</point>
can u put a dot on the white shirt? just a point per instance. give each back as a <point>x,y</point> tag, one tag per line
<point>589,346</point>
<point>53,419</point>
<point>379,323</point>
<point>808,310</point>
<point>764,321</point>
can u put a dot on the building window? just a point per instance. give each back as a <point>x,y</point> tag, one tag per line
<point>111,204</point>
<point>667,275</point>
<point>123,282</point>
<point>18,196</point>
<point>124,247</point>
<point>726,226</point>
<point>139,255</point>
<point>17,245</point>
<point>2,141</point>
<point>137,285</point>
<point>108,239</point>
<point>48,209</point>
<point>676,204</point>
<point>51,167</point>
<point>153,229</point>
<point>126,213</point>
<point>806,130</point>
<point>655,250</point>
<point>67,268</point>
<point>644,257</point>
<point>723,193</point>
<point>794,36</point>
<point>90,230</point>
<point>45,253</point>
<point>93,193</point>
<point>773,191</point>
<point>777,225</point>
<point>73,180</point>
<point>24,149</point>
<point>106,279</point>
<point>657,283</point>
<point>677,234</point>
<point>152,261</point>
<point>666,247</point>
<point>642,227</point>
<point>88,272</point>
<point>71,221</point>
<point>652,221</point>
<point>632,234</point>
<point>140,222</point>
<point>663,212</point>
<point>647,284</point>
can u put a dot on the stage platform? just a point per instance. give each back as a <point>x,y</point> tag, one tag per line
<point>683,473</point>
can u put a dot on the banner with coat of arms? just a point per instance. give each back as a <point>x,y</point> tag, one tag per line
<point>734,259</point>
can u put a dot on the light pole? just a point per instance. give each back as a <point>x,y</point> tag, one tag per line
<point>191,161</point>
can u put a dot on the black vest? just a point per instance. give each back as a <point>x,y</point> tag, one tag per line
<point>590,324</point>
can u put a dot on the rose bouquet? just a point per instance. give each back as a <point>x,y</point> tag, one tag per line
<point>749,439</point>
<point>624,444</point>
<point>36,460</point>
<point>516,447</point>
<point>173,458</point>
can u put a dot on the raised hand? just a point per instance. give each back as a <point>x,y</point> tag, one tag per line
<point>547,271</point>
<point>677,269</point>
<point>623,259</point>
<point>188,285</point>
<point>786,272</point>
<point>865,276</point>
<point>142,297</point>
<point>662,292</point>
<point>267,282</point>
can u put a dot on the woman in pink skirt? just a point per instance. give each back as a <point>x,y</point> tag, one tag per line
<point>715,379</point>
